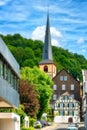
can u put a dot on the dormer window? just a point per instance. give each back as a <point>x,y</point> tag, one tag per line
<point>45,68</point>
<point>46,51</point>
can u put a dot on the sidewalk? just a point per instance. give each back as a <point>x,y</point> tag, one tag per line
<point>54,125</point>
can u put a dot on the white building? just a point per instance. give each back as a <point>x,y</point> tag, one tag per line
<point>66,109</point>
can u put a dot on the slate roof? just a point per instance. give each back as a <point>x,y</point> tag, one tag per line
<point>47,50</point>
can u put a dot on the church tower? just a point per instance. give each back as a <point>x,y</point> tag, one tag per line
<point>47,65</point>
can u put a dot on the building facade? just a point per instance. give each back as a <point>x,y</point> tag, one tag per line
<point>66,109</point>
<point>64,82</point>
<point>9,96</point>
<point>84,98</point>
<point>9,75</point>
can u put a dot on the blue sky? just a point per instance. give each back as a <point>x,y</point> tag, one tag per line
<point>68,21</point>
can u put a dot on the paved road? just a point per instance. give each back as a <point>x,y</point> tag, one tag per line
<point>62,127</point>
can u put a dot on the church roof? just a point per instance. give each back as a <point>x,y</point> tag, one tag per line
<point>46,62</point>
<point>47,50</point>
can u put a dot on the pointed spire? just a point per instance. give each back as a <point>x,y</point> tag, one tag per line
<point>47,50</point>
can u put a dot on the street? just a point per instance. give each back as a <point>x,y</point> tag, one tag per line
<point>57,126</point>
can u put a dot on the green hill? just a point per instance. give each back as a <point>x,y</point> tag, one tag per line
<point>28,52</point>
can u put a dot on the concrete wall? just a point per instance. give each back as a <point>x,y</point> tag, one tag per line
<point>6,124</point>
<point>64,119</point>
<point>9,121</point>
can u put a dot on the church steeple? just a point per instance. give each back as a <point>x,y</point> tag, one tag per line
<point>47,65</point>
<point>47,50</point>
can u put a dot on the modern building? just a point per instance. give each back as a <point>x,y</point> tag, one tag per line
<point>66,109</point>
<point>9,75</point>
<point>84,98</point>
<point>9,97</point>
<point>46,64</point>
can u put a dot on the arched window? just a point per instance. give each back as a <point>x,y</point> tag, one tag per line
<point>45,68</point>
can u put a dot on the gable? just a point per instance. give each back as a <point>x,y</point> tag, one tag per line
<point>66,76</point>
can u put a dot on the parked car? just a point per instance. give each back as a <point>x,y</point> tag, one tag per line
<point>49,123</point>
<point>37,124</point>
<point>43,123</point>
<point>72,126</point>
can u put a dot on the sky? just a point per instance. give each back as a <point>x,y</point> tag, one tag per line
<point>68,21</point>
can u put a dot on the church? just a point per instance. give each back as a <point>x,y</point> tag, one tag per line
<point>47,65</point>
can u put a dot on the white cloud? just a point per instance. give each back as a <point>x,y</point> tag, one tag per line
<point>39,34</point>
<point>80,40</point>
<point>40,8</point>
<point>55,42</point>
<point>3,2</point>
<point>84,50</point>
<point>55,32</point>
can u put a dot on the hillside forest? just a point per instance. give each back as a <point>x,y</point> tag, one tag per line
<point>28,53</point>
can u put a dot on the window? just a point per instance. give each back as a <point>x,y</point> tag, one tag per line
<point>65,78</point>
<point>72,87</point>
<point>63,87</point>
<point>62,113</point>
<point>5,72</point>
<point>72,95</point>
<point>61,78</point>
<point>12,79</point>
<point>61,105</point>
<point>46,50</point>
<point>45,68</point>
<point>1,68</point>
<point>71,105</point>
<point>65,97</point>
<point>76,104</point>
<point>71,112</point>
<point>9,75</point>
<point>16,83</point>
<point>54,87</point>
<point>54,97</point>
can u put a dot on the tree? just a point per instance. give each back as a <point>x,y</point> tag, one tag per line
<point>28,52</point>
<point>28,97</point>
<point>42,83</point>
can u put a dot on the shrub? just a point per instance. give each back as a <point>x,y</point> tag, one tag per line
<point>49,119</point>
<point>31,121</point>
<point>38,126</point>
<point>30,128</point>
